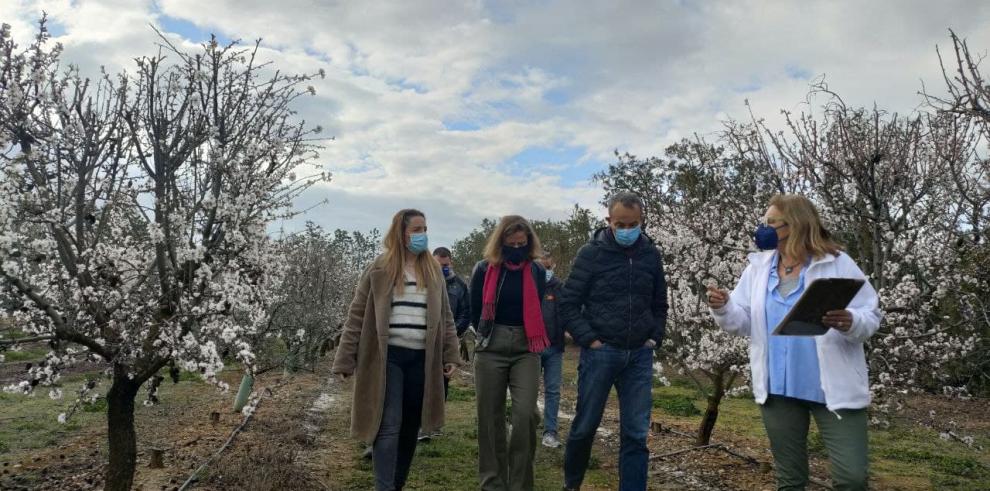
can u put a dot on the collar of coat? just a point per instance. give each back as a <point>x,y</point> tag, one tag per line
<point>764,258</point>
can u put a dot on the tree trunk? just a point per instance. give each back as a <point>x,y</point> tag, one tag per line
<point>292,360</point>
<point>711,412</point>
<point>120,431</point>
<point>708,421</point>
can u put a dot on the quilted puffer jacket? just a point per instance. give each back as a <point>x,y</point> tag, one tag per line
<point>614,294</point>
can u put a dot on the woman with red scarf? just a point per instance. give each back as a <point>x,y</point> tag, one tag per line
<point>506,292</point>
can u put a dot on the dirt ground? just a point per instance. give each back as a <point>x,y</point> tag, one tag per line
<point>298,439</point>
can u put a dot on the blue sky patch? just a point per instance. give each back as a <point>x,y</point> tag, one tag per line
<point>461,125</point>
<point>796,72</point>
<point>405,84</point>
<point>319,55</point>
<point>557,97</point>
<point>189,30</point>
<point>566,162</point>
<point>55,29</point>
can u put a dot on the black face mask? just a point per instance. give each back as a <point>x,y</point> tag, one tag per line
<point>514,255</point>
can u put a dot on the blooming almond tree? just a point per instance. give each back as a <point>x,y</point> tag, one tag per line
<point>968,98</point>
<point>884,183</point>
<point>322,271</point>
<point>133,212</point>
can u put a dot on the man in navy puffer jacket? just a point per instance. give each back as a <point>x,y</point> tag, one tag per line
<point>614,304</point>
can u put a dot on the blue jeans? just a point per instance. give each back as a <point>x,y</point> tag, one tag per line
<point>395,445</point>
<point>551,359</point>
<point>631,372</point>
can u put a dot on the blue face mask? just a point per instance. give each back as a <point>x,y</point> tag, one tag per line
<point>446,271</point>
<point>418,243</point>
<point>627,236</point>
<point>766,237</point>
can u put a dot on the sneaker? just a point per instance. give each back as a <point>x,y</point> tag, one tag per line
<point>424,437</point>
<point>367,453</point>
<point>550,440</point>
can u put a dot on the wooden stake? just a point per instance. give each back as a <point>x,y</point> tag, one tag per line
<point>157,461</point>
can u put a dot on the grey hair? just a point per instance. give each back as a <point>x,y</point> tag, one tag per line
<point>628,199</point>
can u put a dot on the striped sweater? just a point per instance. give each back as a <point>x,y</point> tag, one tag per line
<point>407,324</point>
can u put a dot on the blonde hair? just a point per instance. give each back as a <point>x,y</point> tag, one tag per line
<point>427,267</point>
<point>807,234</point>
<point>507,226</point>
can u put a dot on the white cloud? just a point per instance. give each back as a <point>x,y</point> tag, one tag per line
<point>599,75</point>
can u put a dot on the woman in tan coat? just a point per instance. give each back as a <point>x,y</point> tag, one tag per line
<point>398,342</point>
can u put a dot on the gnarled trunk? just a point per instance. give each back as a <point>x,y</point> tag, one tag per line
<point>708,420</point>
<point>120,431</point>
<point>722,380</point>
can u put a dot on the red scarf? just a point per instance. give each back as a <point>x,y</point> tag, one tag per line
<point>536,332</point>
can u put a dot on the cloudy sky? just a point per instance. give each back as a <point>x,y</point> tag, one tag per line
<point>475,109</point>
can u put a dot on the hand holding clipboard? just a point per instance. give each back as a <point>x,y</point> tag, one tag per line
<point>821,306</point>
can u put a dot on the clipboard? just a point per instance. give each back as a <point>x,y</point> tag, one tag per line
<point>822,295</point>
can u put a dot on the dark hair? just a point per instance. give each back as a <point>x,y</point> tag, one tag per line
<point>628,199</point>
<point>441,252</point>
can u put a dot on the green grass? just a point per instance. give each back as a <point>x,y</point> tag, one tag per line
<point>25,355</point>
<point>904,456</point>
<point>683,382</point>
<point>31,422</point>
<point>97,406</point>
<point>187,376</point>
<point>450,461</point>
<point>460,394</point>
<point>946,464</point>
<point>9,332</point>
<point>677,405</point>
<point>816,445</point>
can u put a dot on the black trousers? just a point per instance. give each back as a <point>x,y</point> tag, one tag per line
<point>395,444</point>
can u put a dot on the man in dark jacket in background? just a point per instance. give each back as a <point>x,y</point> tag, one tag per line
<point>614,304</point>
<point>457,292</point>
<point>552,358</point>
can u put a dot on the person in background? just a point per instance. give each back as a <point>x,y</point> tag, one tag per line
<point>552,358</point>
<point>615,306</point>
<point>457,290</point>
<point>398,343</point>
<point>507,288</point>
<point>796,378</point>
<point>460,305</point>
